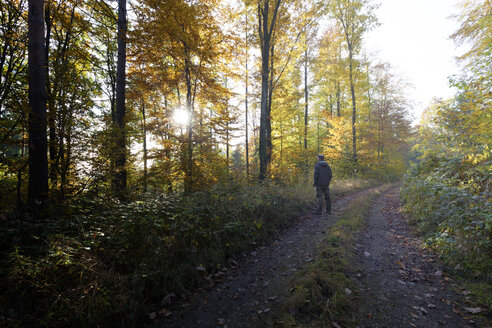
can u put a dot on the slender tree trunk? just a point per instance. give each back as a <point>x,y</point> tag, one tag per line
<point>354,109</point>
<point>306,105</point>
<point>144,128</point>
<point>269,146</point>
<point>317,133</point>
<point>338,99</point>
<point>188,185</point>
<point>281,142</point>
<point>227,145</point>
<point>38,157</point>
<point>338,84</point>
<point>19,175</point>
<point>331,106</point>
<point>119,181</point>
<point>51,112</point>
<point>66,151</point>
<point>246,99</point>
<point>168,153</point>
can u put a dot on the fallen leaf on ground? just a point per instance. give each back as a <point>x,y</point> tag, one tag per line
<point>445,301</point>
<point>165,312</point>
<point>414,315</point>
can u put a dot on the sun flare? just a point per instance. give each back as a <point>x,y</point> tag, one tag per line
<point>181,117</point>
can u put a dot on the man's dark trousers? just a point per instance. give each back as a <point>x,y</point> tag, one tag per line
<point>320,191</point>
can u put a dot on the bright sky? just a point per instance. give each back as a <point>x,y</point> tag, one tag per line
<point>414,38</point>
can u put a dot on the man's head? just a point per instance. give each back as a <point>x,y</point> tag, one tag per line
<point>321,158</point>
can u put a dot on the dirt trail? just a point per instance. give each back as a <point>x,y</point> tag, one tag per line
<point>402,285</point>
<point>247,292</point>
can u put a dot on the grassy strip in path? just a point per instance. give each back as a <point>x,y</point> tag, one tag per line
<point>322,295</point>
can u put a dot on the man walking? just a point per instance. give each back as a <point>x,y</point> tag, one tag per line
<point>322,178</point>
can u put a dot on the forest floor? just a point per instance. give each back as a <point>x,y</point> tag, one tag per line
<point>401,285</point>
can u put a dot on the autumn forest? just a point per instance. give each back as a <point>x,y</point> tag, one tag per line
<point>147,146</point>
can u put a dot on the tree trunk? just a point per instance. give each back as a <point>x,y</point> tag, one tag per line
<point>19,174</point>
<point>38,157</point>
<point>246,99</point>
<point>354,109</point>
<point>338,99</point>
<point>188,183</point>
<point>265,70</point>
<point>144,128</point>
<point>51,112</point>
<point>269,146</point>
<point>265,30</point>
<point>317,134</point>
<point>305,98</point>
<point>119,180</point>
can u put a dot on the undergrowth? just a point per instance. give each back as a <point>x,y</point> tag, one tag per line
<point>98,262</point>
<point>322,293</point>
<point>448,200</point>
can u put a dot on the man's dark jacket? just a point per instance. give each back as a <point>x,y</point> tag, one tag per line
<point>322,174</point>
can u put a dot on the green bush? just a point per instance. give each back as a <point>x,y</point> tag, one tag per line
<point>448,200</point>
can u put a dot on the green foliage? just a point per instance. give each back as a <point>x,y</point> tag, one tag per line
<point>99,261</point>
<point>447,192</point>
<point>104,260</point>
<point>449,202</point>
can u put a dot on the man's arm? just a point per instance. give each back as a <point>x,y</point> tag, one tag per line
<point>316,175</point>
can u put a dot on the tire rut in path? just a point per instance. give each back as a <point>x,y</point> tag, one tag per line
<point>401,284</point>
<point>260,279</point>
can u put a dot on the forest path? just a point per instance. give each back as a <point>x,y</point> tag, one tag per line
<point>243,294</point>
<point>401,284</point>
